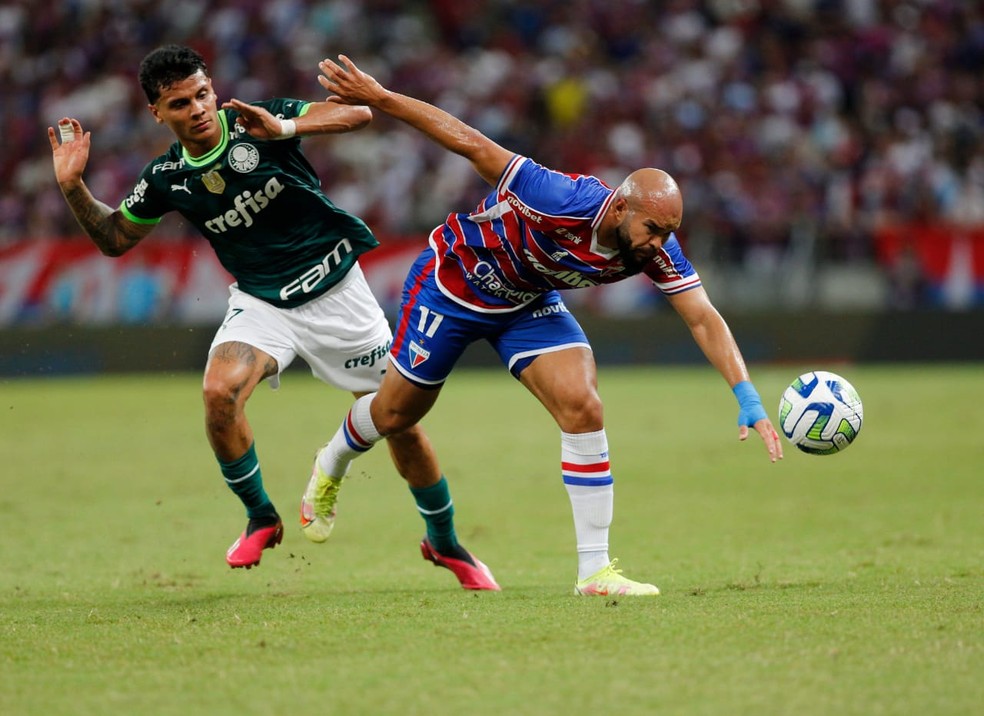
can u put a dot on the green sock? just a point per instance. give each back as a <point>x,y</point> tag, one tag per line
<point>243,476</point>
<point>435,506</point>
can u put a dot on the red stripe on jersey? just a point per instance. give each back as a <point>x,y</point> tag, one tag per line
<point>506,259</point>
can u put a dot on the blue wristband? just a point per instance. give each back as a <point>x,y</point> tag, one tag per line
<point>750,409</point>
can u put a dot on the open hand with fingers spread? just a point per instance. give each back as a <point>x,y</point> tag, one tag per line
<point>349,84</point>
<point>71,154</point>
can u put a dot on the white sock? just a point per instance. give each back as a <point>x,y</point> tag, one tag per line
<point>356,435</point>
<point>590,486</point>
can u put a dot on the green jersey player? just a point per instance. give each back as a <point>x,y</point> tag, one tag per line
<point>260,205</point>
<point>237,173</point>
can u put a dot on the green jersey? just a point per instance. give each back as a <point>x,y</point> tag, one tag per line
<point>260,204</point>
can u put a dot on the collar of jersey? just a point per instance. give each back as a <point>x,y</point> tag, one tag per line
<point>215,151</point>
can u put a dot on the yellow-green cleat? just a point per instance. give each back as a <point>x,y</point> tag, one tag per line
<point>318,505</point>
<point>609,582</point>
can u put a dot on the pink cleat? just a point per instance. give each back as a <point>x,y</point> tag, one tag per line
<point>248,548</point>
<point>468,569</point>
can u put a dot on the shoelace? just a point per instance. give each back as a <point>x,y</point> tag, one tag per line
<point>324,500</point>
<point>610,570</point>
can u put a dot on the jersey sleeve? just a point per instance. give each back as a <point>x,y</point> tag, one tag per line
<point>549,197</point>
<point>670,271</point>
<point>145,204</point>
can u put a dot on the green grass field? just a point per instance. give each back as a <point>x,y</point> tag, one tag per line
<point>849,584</point>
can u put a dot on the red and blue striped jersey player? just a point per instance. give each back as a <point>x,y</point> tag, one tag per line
<point>496,274</point>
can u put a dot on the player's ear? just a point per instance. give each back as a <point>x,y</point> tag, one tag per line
<point>153,111</point>
<point>620,207</point>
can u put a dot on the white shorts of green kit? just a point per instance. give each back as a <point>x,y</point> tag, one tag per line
<point>343,334</point>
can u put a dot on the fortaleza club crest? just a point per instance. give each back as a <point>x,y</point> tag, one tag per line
<point>418,354</point>
<point>244,158</point>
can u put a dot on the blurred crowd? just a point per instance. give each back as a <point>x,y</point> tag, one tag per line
<point>779,118</point>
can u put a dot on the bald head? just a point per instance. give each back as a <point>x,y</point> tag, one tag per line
<point>656,195</point>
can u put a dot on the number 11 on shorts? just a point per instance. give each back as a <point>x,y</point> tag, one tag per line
<point>427,316</point>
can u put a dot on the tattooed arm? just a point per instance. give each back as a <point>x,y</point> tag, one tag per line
<point>112,232</point>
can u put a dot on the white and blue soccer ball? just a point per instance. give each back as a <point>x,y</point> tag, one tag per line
<point>820,413</point>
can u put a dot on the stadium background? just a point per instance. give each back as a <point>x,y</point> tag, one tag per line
<point>830,155</point>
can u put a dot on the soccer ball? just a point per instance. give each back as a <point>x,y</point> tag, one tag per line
<point>820,413</point>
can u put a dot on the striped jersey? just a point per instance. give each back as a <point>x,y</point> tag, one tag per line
<point>537,232</point>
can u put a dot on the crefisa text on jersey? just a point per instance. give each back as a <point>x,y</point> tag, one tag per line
<point>247,205</point>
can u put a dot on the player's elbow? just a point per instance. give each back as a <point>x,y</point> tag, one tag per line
<point>114,249</point>
<point>695,308</point>
<point>114,244</point>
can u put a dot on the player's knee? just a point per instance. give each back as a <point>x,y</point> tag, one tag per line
<point>394,424</point>
<point>222,389</point>
<point>391,423</point>
<point>584,415</point>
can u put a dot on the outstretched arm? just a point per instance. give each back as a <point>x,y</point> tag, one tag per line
<point>321,118</point>
<point>712,334</point>
<point>112,232</point>
<point>352,86</point>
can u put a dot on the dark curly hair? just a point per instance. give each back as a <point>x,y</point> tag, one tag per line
<point>166,65</point>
